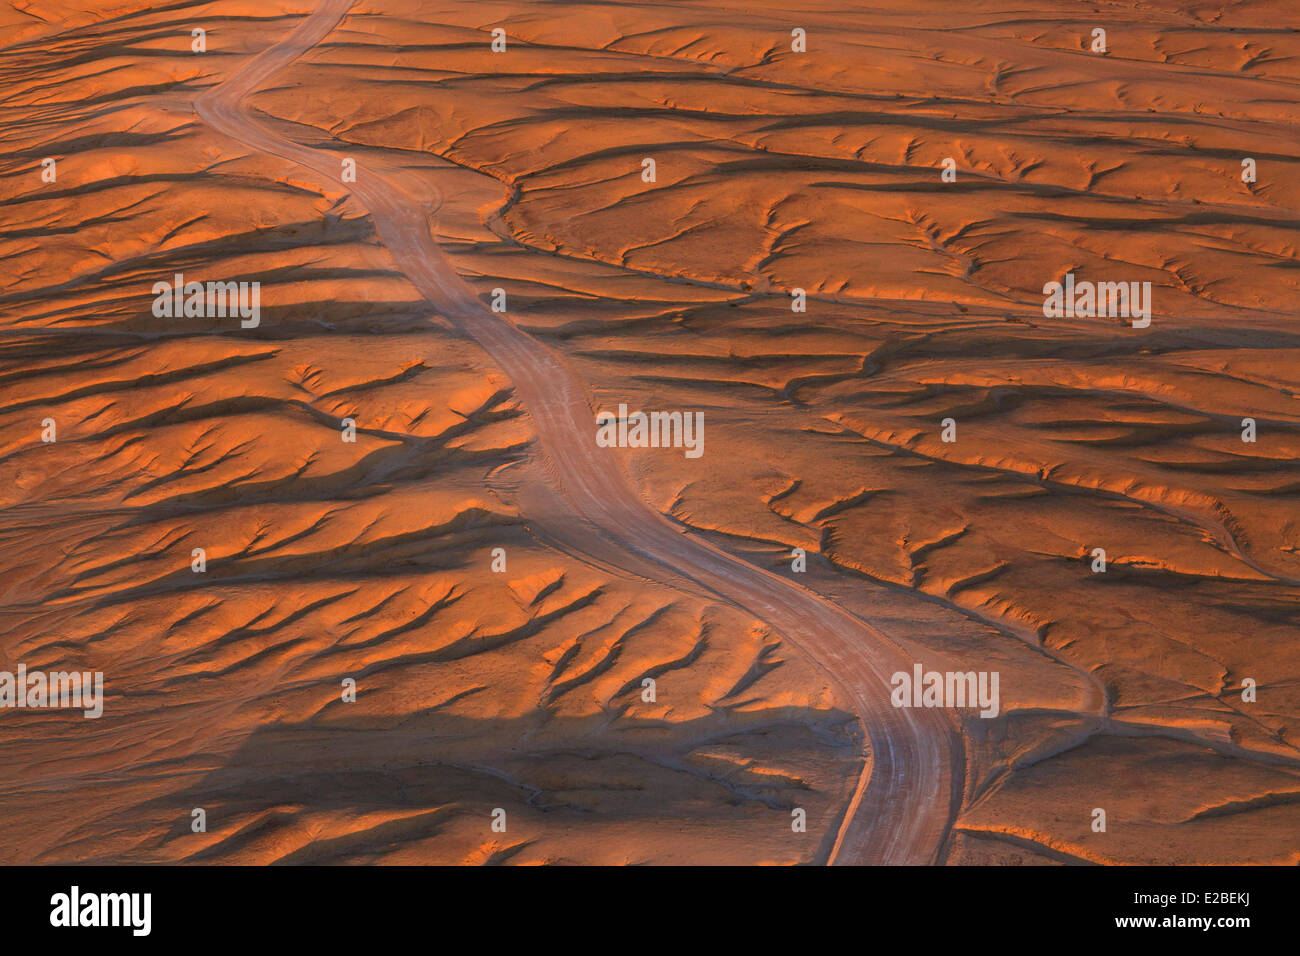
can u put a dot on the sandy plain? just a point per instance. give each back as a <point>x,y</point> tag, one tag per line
<point>775,170</point>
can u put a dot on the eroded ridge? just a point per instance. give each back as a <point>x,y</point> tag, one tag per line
<point>839,261</point>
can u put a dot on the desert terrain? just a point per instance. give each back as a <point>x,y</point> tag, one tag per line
<point>394,483</point>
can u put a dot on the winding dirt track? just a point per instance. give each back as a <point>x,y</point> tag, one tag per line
<point>902,806</point>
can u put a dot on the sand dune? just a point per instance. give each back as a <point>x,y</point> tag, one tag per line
<point>522,689</point>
